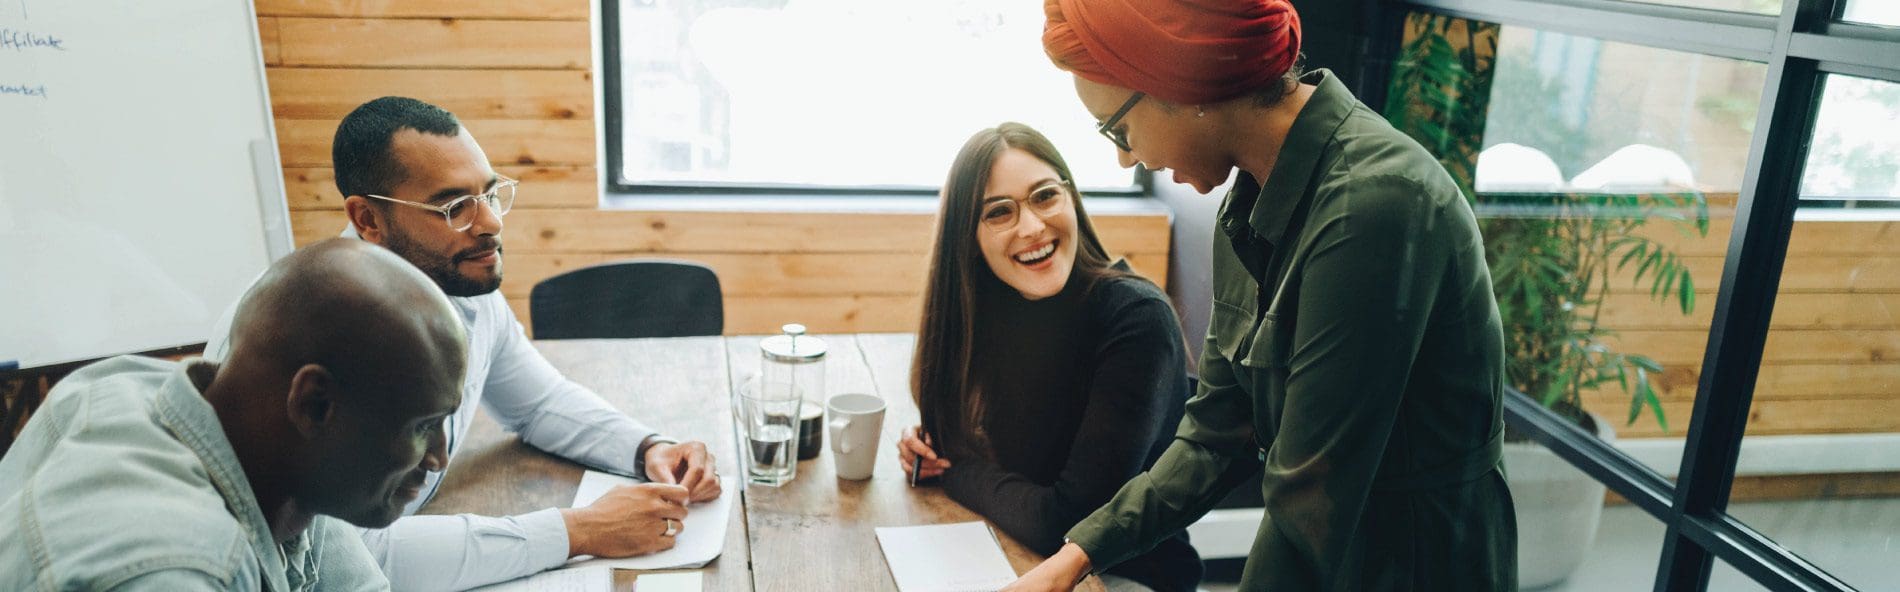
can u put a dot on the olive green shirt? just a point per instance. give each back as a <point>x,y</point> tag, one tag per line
<point>1355,355</point>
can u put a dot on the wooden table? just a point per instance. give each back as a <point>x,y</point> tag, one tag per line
<point>814,533</point>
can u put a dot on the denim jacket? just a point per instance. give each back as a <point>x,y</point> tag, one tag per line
<point>124,480</point>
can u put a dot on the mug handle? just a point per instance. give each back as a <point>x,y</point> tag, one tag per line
<point>838,440</point>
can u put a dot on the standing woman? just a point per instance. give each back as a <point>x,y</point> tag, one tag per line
<point>1046,377</point>
<point>1354,353</point>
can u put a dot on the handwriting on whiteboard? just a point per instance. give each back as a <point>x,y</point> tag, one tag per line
<point>18,40</point>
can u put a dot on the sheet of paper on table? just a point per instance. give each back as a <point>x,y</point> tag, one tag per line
<point>702,534</point>
<point>956,557</point>
<point>668,581</point>
<point>575,579</point>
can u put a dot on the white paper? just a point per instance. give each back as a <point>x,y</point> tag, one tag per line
<point>577,579</point>
<point>958,557</point>
<point>671,581</point>
<point>702,534</point>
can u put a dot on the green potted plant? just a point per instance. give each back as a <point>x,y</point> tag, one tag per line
<point>1554,257</point>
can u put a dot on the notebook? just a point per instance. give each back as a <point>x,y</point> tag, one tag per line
<point>956,557</point>
<point>702,534</point>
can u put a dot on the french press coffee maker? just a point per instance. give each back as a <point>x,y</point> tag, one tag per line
<point>795,360</point>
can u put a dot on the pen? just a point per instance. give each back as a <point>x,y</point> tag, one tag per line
<point>917,460</point>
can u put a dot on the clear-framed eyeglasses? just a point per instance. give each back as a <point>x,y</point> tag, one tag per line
<point>1046,200</point>
<point>460,212</point>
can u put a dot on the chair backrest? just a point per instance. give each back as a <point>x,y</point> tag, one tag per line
<point>632,298</point>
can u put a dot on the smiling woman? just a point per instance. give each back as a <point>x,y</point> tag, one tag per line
<point>1046,376</point>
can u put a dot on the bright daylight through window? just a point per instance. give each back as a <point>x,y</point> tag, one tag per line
<point>837,93</point>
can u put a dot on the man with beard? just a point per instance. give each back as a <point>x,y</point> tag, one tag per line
<point>416,182</point>
<point>145,474</point>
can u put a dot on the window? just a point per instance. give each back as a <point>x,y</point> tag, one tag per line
<point>831,94</point>
<point>1755,6</point>
<point>1873,12</point>
<point>1784,418</point>
<point>1855,156</point>
<point>1621,117</point>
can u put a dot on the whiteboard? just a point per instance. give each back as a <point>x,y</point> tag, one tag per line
<point>140,188</point>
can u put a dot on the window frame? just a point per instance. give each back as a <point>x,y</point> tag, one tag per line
<point>617,185</point>
<point>1801,45</point>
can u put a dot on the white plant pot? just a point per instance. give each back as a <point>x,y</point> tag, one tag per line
<point>1558,509</point>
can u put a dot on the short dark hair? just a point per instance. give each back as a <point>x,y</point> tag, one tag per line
<point>1272,94</point>
<point>360,153</point>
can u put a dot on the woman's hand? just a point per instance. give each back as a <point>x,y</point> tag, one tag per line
<point>1058,573</point>
<point>910,446</point>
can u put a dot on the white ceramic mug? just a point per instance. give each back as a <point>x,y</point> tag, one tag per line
<point>856,420</point>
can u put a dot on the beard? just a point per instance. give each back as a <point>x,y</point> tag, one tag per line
<point>442,269</point>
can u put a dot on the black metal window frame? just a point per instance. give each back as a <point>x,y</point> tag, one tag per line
<point>1806,41</point>
<point>614,100</point>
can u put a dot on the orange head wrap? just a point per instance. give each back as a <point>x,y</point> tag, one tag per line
<point>1188,52</point>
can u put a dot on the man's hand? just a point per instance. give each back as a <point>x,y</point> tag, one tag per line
<point>1058,573</point>
<point>910,446</point>
<point>629,520</point>
<point>686,464</point>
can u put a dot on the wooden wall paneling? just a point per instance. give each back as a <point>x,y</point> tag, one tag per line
<point>435,43</point>
<point>495,9</point>
<point>268,40</point>
<point>770,274</point>
<point>1807,238</point>
<point>752,274</point>
<point>1766,416</point>
<point>1800,310</point>
<point>1783,381</point>
<point>778,232</point>
<point>623,231</point>
<point>306,142</point>
<point>758,315</point>
<point>331,93</point>
<point>542,187</point>
<point>1784,346</point>
<point>1801,273</point>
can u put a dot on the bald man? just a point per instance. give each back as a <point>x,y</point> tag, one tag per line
<point>142,474</point>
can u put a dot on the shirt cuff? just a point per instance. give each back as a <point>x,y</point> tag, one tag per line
<point>640,453</point>
<point>1097,542</point>
<point>547,537</point>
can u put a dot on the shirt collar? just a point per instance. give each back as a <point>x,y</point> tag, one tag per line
<point>182,409</point>
<point>1268,209</point>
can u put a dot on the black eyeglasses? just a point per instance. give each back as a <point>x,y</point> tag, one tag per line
<point>1108,128</point>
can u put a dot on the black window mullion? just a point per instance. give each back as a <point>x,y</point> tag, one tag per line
<point>1858,50</point>
<point>1758,245</point>
<point>1626,476</point>
<point>1754,554</point>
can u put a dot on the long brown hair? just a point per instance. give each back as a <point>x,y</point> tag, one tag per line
<point>942,378</point>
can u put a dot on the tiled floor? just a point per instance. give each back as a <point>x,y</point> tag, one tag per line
<point>1857,540</point>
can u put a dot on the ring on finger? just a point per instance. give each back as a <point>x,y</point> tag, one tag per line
<point>672,527</point>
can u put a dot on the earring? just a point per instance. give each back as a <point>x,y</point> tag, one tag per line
<point>1200,111</point>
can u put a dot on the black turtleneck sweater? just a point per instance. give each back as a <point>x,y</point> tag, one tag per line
<point>1084,391</point>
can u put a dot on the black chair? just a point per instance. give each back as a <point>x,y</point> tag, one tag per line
<point>625,299</point>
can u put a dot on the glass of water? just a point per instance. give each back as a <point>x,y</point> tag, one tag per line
<point>768,425</point>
